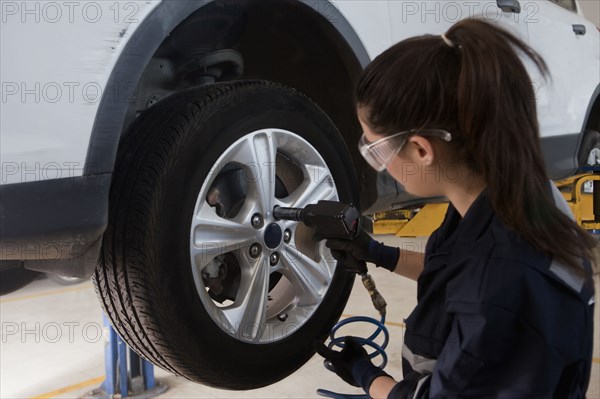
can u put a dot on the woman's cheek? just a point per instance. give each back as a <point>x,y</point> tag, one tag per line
<point>404,173</point>
<point>415,179</point>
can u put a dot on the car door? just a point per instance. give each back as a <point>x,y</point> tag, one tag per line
<point>569,44</point>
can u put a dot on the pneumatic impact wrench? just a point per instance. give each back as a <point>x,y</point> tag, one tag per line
<point>332,219</point>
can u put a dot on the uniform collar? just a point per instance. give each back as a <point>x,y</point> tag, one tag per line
<point>470,227</point>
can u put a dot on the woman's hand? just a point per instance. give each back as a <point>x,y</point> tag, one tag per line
<point>362,248</point>
<point>352,363</point>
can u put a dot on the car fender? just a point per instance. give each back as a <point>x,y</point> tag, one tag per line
<point>128,70</point>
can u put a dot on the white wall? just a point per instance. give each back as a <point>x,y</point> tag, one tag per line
<point>591,10</point>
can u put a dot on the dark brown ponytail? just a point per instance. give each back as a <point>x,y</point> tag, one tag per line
<point>475,85</point>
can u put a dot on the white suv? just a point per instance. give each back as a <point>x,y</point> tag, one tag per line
<point>147,142</point>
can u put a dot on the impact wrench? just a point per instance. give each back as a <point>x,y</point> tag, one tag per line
<point>331,219</point>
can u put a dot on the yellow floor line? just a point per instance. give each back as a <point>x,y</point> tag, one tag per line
<point>43,294</point>
<point>387,323</point>
<point>391,323</point>
<point>74,387</point>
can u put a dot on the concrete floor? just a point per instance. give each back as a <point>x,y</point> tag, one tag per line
<point>52,343</point>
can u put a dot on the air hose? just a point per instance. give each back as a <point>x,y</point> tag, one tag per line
<point>378,350</point>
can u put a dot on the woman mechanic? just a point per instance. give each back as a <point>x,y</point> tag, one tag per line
<point>505,295</point>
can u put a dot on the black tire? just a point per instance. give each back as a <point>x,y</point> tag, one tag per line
<point>590,143</point>
<point>144,278</point>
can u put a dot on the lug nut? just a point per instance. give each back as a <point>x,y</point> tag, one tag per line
<point>283,317</point>
<point>255,250</point>
<point>287,236</point>
<point>256,220</point>
<point>274,258</point>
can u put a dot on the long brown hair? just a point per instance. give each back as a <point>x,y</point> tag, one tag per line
<point>476,87</point>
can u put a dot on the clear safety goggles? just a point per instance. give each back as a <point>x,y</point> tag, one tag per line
<point>381,152</point>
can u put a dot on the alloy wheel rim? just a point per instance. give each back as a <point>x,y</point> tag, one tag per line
<point>265,293</point>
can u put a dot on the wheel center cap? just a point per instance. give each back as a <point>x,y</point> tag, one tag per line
<point>273,236</point>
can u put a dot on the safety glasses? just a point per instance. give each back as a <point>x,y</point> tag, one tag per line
<point>381,152</point>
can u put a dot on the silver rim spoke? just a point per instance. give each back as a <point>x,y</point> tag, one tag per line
<point>258,154</point>
<point>310,278</point>
<point>248,313</point>
<point>319,184</point>
<point>214,235</point>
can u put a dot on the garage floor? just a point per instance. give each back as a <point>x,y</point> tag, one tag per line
<point>52,343</point>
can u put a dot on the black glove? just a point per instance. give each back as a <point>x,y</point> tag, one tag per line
<point>352,364</point>
<point>363,248</point>
<point>349,262</point>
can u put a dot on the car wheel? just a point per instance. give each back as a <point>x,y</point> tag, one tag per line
<point>589,150</point>
<point>196,275</point>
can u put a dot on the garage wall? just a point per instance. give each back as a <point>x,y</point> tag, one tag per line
<point>591,10</point>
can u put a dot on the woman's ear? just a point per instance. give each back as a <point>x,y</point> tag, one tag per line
<point>421,150</point>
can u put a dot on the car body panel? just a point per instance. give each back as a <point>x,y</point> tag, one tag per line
<point>573,63</point>
<point>56,61</point>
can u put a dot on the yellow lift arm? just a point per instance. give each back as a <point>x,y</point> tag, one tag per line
<point>422,222</point>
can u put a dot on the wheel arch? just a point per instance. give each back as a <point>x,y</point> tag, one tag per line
<point>331,87</point>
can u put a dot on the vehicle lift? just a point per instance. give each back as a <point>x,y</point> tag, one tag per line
<point>127,375</point>
<point>582,193</point>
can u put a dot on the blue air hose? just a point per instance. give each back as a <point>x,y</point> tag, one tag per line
<point>378,350</point>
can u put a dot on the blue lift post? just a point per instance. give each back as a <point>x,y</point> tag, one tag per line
<point>126,374</point>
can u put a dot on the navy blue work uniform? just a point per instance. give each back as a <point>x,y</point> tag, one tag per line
<point>495,318</point>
